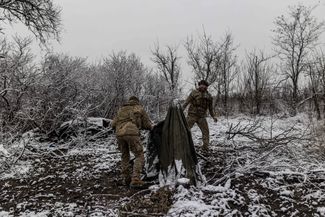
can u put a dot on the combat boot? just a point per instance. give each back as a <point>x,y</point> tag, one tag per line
<point>136,183</point>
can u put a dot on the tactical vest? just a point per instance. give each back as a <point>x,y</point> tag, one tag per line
<point>199,103</point>
<point>129,120</point>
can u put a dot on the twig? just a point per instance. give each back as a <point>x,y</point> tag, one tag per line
<point>113,152</point>
<point>142,214</point>
<point>105,195</point>
<point>246,167</point>
<point>139,192</point>
<point>21,153</point>
<point>250,130</point>
<point>204,158</point>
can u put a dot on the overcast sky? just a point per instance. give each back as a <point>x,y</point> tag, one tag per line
<point>95,28</point>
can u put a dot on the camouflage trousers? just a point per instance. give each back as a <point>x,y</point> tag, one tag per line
<point>133,144</point>
<point>203,125</point>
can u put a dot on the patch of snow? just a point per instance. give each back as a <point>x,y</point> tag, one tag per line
<point>206,201</point>
<point>286,193</point>
<point>317,194</point>
<point>4,151</point>
<point>91,120</point>
<point>321,211</point>
<point>21,169</point>
<point>36,214</point>
<point>4,214</point>
<point>258,210</point>
<point>152,171</point>
<point>183,181</point>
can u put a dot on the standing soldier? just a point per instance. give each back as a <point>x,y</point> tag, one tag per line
<point>130,118</point>
<point>200,101</point>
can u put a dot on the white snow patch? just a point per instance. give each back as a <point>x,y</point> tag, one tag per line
<point>206,201</point>
<point>317,194</point>
<point>286,193</point>
<point>321,211</point>
<point>183,181</point>
<point>4,151</point>
<point>36,214</point>
<point>21,169</point>
<point>215,189</point>
<point>198,208</point>
<point>4,214</point>
<point>90,120</point>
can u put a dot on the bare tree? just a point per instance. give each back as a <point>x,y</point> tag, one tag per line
<point>204,57</point>
<point>41,17</point>
<point>228,70</point>
<point>17,76</point>
<point>295,37</point>
<point>121,75</point>
<point>256,78</point>
<point>168,64</point>
<point>316,74</point>
<point>320,70</point>
<point>155,94</point>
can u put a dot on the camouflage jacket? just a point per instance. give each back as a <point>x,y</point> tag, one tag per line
<point>199,102</point>
<point>130,118</point>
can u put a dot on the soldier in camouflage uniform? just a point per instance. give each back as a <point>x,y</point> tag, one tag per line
<point>130,118</point>
<point>200,101</point>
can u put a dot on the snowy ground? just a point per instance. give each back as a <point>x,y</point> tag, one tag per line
<point>245,176</point>
<point>253,179</point>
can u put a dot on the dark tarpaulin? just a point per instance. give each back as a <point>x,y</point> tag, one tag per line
<point>172,142</point>
<point>153,147</point>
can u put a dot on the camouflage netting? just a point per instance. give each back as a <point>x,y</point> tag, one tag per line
<point>171,151</point>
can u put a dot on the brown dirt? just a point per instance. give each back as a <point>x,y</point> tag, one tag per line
<point>56,182</point>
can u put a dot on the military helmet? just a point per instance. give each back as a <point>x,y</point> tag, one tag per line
<point>203,82</point>
<point>134,98</point>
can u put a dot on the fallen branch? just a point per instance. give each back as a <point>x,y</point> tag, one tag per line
<point>22,152</point>
<point>202,157</point>
<point>251,130</point>
<point>142,214</point>
<point>245,168</point>
<point>105,195</point>
<point>139,192</point>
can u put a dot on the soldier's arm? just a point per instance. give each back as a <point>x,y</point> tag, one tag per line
<point>211,109</point>
<point>146,122</point>
<point>187,101</point>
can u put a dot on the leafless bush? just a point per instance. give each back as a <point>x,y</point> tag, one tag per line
<point>18,75</point>
<point>266,138</point>
<point>267,143</point>
<point>58,94</point>
<point>12,148</point>
<point>317,146</point>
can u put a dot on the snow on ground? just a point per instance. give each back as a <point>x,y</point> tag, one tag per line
<point>283,180</point>
<point>59,180</point>
<point>244,177</point>
<point>3,151</point>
